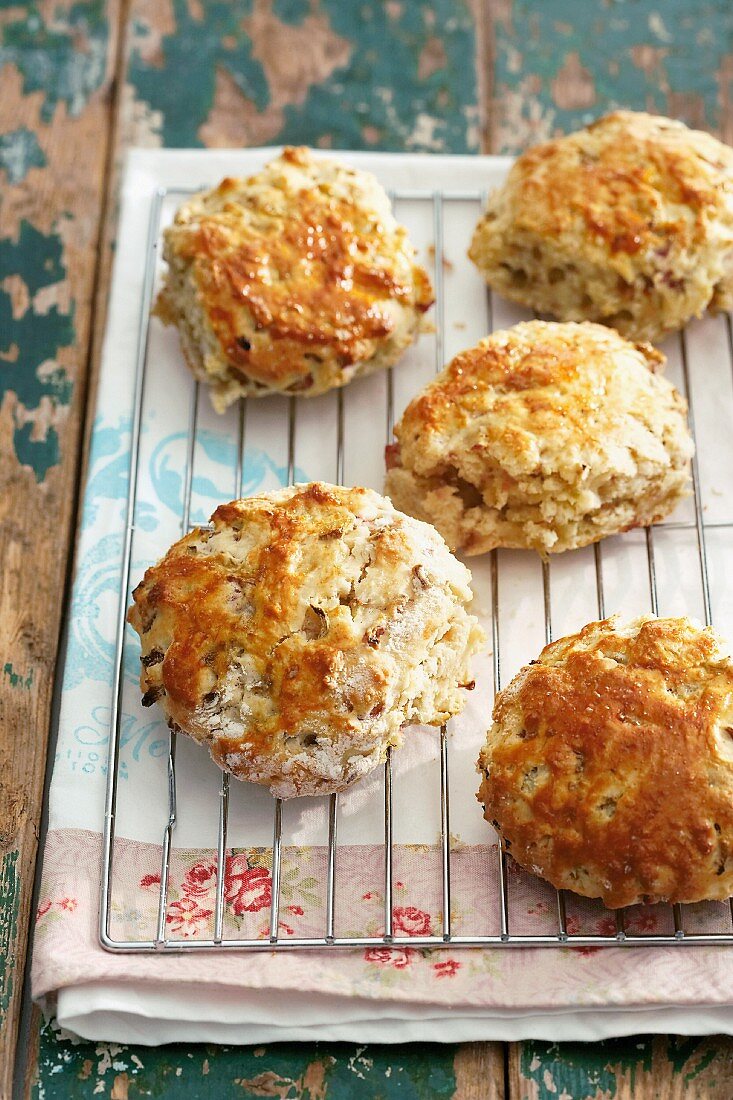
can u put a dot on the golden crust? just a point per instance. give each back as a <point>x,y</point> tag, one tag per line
<point>298,635</point>
<point>629,222</point>
<point>609,767</point>
<point>547,436</point>
<point>294,280</point>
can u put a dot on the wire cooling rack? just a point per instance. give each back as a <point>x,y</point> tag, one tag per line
<point>695,529</point>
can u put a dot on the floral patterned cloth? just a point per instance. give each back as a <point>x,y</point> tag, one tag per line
<point>67,950</point>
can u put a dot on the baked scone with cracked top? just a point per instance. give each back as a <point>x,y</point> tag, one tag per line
<point>628,222</point>
<point>609,767</point>
<point>295,280</point>
<point>301,633</point>
<point>547,436</point>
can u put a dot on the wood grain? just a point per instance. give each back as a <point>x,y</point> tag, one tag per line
<point>49,226</point>
<point>479,1070</point>
<point>656,1067</point>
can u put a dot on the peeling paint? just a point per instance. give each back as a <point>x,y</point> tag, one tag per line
<point>36,322</point>
<point>573,88</point>
<point>60,50</point>
<point>580,1070</point>
<point>560,65</point>
<point>17,679</point>
<point>384,86</point>
<point>324,74</point>
<point>9,905</point>
<point>623,1067</point>
<point>293,59</point>
<point>19,152</point>
<point>195,47</point>
<point>70,1069</point>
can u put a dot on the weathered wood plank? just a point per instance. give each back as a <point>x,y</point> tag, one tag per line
<point>55,74</point>
<point>388,75</point>
<point>636,1068</point>
<point>337,1071</point>
<point>479,1070</point>
<point>560,64</point>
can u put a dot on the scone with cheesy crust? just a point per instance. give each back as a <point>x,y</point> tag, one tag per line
<point>295,280</point>
<point>609,767</point>
<point>299,635</point>
<point>628,222</point>
<point>546,436</point>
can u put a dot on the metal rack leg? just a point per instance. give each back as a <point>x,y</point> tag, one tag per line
<point>388,874</point>
<point>445,831</point>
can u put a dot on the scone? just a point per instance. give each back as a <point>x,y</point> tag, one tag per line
<point>609,767</point>
<point>295,280</point>
<point>546,435</point>
<point>301,633</point>
<point>628,222</point>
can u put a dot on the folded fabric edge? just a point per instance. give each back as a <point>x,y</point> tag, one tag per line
<point>101,1011</point>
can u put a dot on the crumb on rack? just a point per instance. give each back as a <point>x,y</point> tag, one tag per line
<point>447,264</point>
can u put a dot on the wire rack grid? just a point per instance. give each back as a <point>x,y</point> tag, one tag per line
<point>562,936</point>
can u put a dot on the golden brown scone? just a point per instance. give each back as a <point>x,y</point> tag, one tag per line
<point>609,767</point>
<point>628,222</point>
<point>547,436</point>
<point>295,280</point>
<point>300,634</point>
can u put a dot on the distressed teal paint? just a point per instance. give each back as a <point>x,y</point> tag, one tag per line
<point>583,1070</point>
<point>16,679</point>
<point>586,1070</point>
<point>75,1071</point>
<point>182,88</point>
<point>381,87</point>
<point>292,11</point>
<point>39,454</point>
<point>37,258</point>
<point>378,99</point>
<point>64,57</point>
<point>9,905</point>
<point>28,343</point>
<point>534,41</point>
<point>681,1052</point>
<point>19,152</point>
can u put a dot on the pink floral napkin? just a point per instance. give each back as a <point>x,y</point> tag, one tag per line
<point>461,994</point>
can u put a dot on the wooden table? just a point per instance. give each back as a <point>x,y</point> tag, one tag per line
<point>82,80</point>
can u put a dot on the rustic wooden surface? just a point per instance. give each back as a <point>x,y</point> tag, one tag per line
<point>639,1068</point>
<point>58,65</point>
<point>80,81</point>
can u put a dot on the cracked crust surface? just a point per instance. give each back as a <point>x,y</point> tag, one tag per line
<point>295,280</point>
<point>546,436</point>
<point>300,634</point>
<point>609,767</point>
<point>628,222</point>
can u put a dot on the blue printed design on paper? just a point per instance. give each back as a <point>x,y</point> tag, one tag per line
<point>95,603</point>
<point>140,738</point>
<point>168,472</point>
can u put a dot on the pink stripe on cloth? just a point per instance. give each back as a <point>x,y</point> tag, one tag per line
<point>67,951</point>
